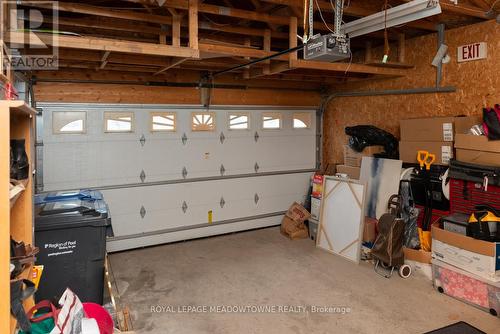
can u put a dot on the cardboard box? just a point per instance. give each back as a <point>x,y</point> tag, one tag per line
<point>463,124</point>
<point>475,149</point>
<point>352,172</point>
<point>433,129</point>
<point>417,255</point>
<point>479,257</point>
<point>353,158</point>
<point>478,157</point>
<point>315,207</point>
<point>370,229</point>
<point>443,151</point>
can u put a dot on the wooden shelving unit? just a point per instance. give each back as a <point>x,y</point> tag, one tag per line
<point>16,122</point>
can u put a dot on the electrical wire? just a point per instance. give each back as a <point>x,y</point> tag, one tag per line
<point>386,36</point>
<point>322,18</point>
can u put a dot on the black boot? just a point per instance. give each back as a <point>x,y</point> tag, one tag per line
<point>20,165</point>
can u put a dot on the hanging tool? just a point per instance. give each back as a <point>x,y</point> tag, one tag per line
<point>426,159</point>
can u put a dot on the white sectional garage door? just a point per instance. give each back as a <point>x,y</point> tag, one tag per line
<point>176,185</point>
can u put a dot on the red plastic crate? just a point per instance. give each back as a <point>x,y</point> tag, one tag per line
<point>465,195</point>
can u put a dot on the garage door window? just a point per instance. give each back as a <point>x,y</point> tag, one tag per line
<point>203,121</point>
<point>69,122</point>
<point>163,122</point>
<point>119,121</point>
<point>239,121</point>
<point>271,120</point>
<point>302,120</point>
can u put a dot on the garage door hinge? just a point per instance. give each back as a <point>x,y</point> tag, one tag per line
<point>142,140</point>
<point>184,206</point>
<point>256,198</point>
<point>184,139</point>
<point>256,136</point>
<point>222,170</point>
<point>142,212</point>
<point>222,202</point>
<point>184,172</point>
<point>256,167</point>
<point>222,137</point>
<point>142,176</point>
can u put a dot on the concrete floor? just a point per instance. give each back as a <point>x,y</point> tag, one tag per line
<point>262,267</point>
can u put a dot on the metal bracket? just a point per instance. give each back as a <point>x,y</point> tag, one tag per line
<point>142,212</point>
<point>256,167</point>
<point>184,206</point>
<point>184,172</point>
<point>142,140</point>
<point>184,139</point>
<point>256,198</point>
<point>222,170</point>
<point>222,138</point>
<point>256,136</point>
<point>222,202</point>
<point>142,176</point>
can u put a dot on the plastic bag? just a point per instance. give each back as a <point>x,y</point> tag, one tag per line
<point>409,213</point>
<point>368,135</point>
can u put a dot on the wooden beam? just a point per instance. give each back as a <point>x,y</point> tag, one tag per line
<point>461,9</point>
<point>193,24</point>
<point>210,50</point>
<point>481,4</point>
<point>103,44</point>
<point>342,67</point>
<point>267,47</point>
<point>100,11</point>
<point>292,41</point>
<point>401,48</point>
<point>176,30</point>
<point>104,59</point>
<point>368,52</point>
<point>172,64</point>
<point>356,10</point>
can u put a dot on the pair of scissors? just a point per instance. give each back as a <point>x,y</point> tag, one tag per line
<point>425,158</point>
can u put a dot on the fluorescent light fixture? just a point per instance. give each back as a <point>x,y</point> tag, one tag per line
<point>408,12</point>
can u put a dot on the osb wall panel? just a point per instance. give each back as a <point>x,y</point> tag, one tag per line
<point>110,93</point>
<point>477,83</point>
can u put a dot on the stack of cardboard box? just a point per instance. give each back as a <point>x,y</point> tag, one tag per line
<point>439,136</point>
<point>435,135</point>
<point>352,160</point>
<point>475,149</point>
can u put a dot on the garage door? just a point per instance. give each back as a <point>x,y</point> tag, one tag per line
<point>172,173</point>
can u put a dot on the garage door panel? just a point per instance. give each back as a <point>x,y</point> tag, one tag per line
<point>145,214</point>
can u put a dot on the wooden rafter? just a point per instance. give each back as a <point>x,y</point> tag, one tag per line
<point>173,63</point>
<point>104,44</point>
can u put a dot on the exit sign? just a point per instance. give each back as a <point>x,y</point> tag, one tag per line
<point>472,51</point>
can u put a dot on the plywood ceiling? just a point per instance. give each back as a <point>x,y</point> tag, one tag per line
<point>160,38</point>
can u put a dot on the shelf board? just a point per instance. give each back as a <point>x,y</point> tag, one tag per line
<point>18,106</point>
<point>391,65</point>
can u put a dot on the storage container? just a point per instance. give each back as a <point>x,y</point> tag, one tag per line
<point>71,235</point>
<point>466,287</point>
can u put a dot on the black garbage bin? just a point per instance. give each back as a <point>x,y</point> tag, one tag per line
<point>71,234</point>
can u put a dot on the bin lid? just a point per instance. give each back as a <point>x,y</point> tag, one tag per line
<point>71,213</point>
<point>82,194</point>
